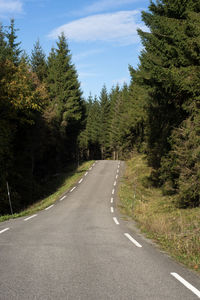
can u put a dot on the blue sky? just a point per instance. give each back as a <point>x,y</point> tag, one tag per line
<point>102,34</point>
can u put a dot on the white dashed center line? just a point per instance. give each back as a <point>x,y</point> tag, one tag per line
<point>33,216</point>
<point>49,207</point>
<point>115,183</point>
<point>111,200</point>
<point>73,189</point>
<point>113,191</point>
<point>115,220</point>
<point>86,173</point>
<point>6,229</point>
<point>116,176</point>
<point>80,180</point>
<point>132,240</point>
<point>62,198</point>
<point>90,168</point>
<point>112,210</point>
<point>186,284</point>
<point>118,171</point>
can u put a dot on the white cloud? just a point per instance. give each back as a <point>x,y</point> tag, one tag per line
<point>10,6</point>
<point>84,54</point>
<point>120,27</point>
<point>103,5</point>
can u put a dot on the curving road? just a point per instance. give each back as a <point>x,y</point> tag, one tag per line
<point>81,248</point>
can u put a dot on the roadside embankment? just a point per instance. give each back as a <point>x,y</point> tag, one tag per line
<point>60,184</point>
<point>176,230</point>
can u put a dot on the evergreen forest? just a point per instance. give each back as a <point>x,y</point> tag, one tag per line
<point>46,124</point>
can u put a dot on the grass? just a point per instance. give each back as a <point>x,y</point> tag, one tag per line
<point>177,231</point>
<point>59,185</point>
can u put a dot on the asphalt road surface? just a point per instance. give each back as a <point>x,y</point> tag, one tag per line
<point>81,248</point>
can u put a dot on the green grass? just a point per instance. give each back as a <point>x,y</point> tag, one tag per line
<point>177,231</point>
<point>59,184</point>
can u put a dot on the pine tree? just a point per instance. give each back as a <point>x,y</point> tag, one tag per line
<point>135,115</point>
<point>67,106</point>
<point>114,121</point>
<point>90,137</point>
<point>3,44</point>
<point>181,167</point>
<point>38,61</point>
<point>168,69</point>
<point>105,110</point>
<point>14,50</point>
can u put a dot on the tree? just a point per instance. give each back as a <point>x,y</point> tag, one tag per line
<point>181,167</point>
<point>19,102</point>
<point>114,121</point>
<point>168,69</point>
<point>3,44</point>
<point>105,110</point>
<point>38,61</point>
<point>14,50</point>
<point>66,106</point>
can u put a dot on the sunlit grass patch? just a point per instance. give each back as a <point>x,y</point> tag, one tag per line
<point>176,230</point>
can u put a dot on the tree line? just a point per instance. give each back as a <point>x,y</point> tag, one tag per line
<point>159,112</point>
<point>45,123</point>
<point>42,112</point>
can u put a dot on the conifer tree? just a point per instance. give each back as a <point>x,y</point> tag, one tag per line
<point>135,115</point>
<point>67,105</point>
<point>38,61</point>
<point>169,59</point>
<point>90,137</point>
<point>114,121</point>
<point>3,44</point>
<point>14,50</point>
<point>105,110</point>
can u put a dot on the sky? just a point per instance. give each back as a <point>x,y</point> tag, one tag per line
<point>101,34</point>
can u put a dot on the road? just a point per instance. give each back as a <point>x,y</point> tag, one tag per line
<point>81,248</point>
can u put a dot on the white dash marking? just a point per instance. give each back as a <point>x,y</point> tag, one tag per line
<point>133,240</point>
<point>86,173</point>
<point>6,229</point>
<point>111,200</point>
<point>80,180</point>
<point>112,210</point>
<point>115,183</point>
<point>73,189</point>
<point>93,164</point>
<point>186,284</point>
<point>61,199</point>
<point>118,171</point>
<point>90,168</point>
<point>113,191</point>
<point>117,176</point>
<point>115,220</point>
<point>33,216</point>
<point>49,207</point>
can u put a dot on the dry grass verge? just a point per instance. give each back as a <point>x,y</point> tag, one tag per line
<point>177,231</point>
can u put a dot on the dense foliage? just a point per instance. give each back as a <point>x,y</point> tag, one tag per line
<point>41,115</point>
<point>159,112</point>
